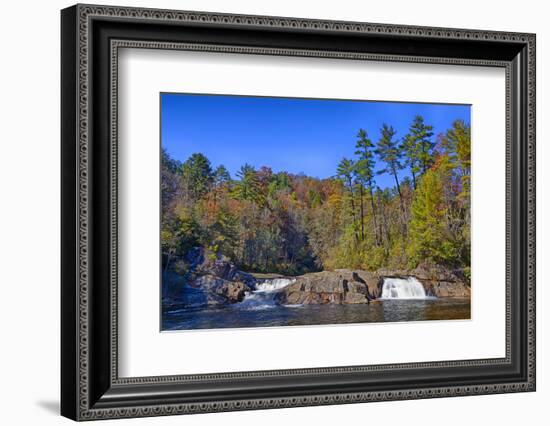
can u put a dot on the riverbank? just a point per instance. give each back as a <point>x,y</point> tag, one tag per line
<point>216,282</point>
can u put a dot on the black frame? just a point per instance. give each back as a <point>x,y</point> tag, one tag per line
<point>91,37</point>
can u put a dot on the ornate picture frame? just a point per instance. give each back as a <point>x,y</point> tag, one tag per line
<point>91,37</point>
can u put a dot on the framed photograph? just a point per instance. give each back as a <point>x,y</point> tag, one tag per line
<point>263,212</point>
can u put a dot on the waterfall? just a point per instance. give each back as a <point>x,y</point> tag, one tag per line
<point>274,285</point>
<point>400,288</point>
<point>264,295</point>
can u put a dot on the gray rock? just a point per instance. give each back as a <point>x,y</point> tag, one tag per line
<point>335,287</point>
<point>345,286</point>
<point>219,291</point>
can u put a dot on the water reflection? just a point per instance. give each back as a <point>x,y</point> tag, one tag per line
<point>384,311</point>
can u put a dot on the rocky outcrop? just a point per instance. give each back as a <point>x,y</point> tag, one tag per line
<point>204,262</point>
<point>219,291</point>
<point>211,280</point>
<point>337,287</point>
<point>437,280</point>
<point>345,286</point>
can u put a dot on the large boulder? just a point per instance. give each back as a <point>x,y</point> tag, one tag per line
<point>336,287</point>
<point>219,291</point>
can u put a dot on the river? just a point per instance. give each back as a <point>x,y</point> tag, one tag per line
<point>402,300</point>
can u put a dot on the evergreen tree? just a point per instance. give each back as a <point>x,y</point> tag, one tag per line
<point>221,176</point>
<point>197,175</point>
<point>390,153</point>
<point>408,146</point>
<point>345,172</point>
<point>364,170</point>
<point>248,187</point>
<point>421,135</point>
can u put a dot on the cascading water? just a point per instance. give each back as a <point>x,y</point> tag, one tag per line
<point>264,295</point>
<point>400,288</point>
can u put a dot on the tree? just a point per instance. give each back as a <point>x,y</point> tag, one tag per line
<point>408,146</point>
<point>428,232</point>
<point>224,232</point>
<point>364,170</point>
<point>221,176</point>
<point>293,223</point>
<point>389,153</point>
<point>197,175</point>
<point>248,187</point>
<point>418,147</point>
<point>345,172</point>
<point>456,142</point>
<point>169,180</point>
<point>421,134</point>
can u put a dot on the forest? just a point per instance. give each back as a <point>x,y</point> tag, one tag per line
<point>277,222</point>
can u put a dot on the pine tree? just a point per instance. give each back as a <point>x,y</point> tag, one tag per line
<point>421,134</point>
<point>221,176</point>
<point>364,170</point>
<point>391,154</point>
<point>197,174</point>
<point>345,172</point>
<point>248,187</point>
<point>408,146</point>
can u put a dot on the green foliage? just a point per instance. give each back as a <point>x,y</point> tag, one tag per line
<point>292,224</point>
<point>389,151</point>
<point>456,142</point>
<point>364,167</point>
<point>248,187</point>
<point>429,234</point>
<point>224,233</point>
<point>197,175</point>
<point>420,135</point>
<point>345,171</point>
<point>221,176</point>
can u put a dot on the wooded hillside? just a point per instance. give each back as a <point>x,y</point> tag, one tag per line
<point>292,224</point>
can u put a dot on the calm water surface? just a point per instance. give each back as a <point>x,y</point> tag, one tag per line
<point>235,316</point>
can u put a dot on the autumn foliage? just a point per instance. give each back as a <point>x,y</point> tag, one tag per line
<point>269,221</point>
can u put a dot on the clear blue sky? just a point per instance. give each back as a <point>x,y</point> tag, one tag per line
<point>307,136</point>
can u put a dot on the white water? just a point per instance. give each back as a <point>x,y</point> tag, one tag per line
<point>399,288</point>
<point>274,285</point>
<point>264,295</point>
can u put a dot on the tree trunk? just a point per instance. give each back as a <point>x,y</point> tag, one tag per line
<point>362,214</point>
<point>375,225</point>
<point>424,162</point>
<point>398,190</point>
<point>352,200</point>
<point>384,223</point>
<point>414,178</point>
<point>403,222</point>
